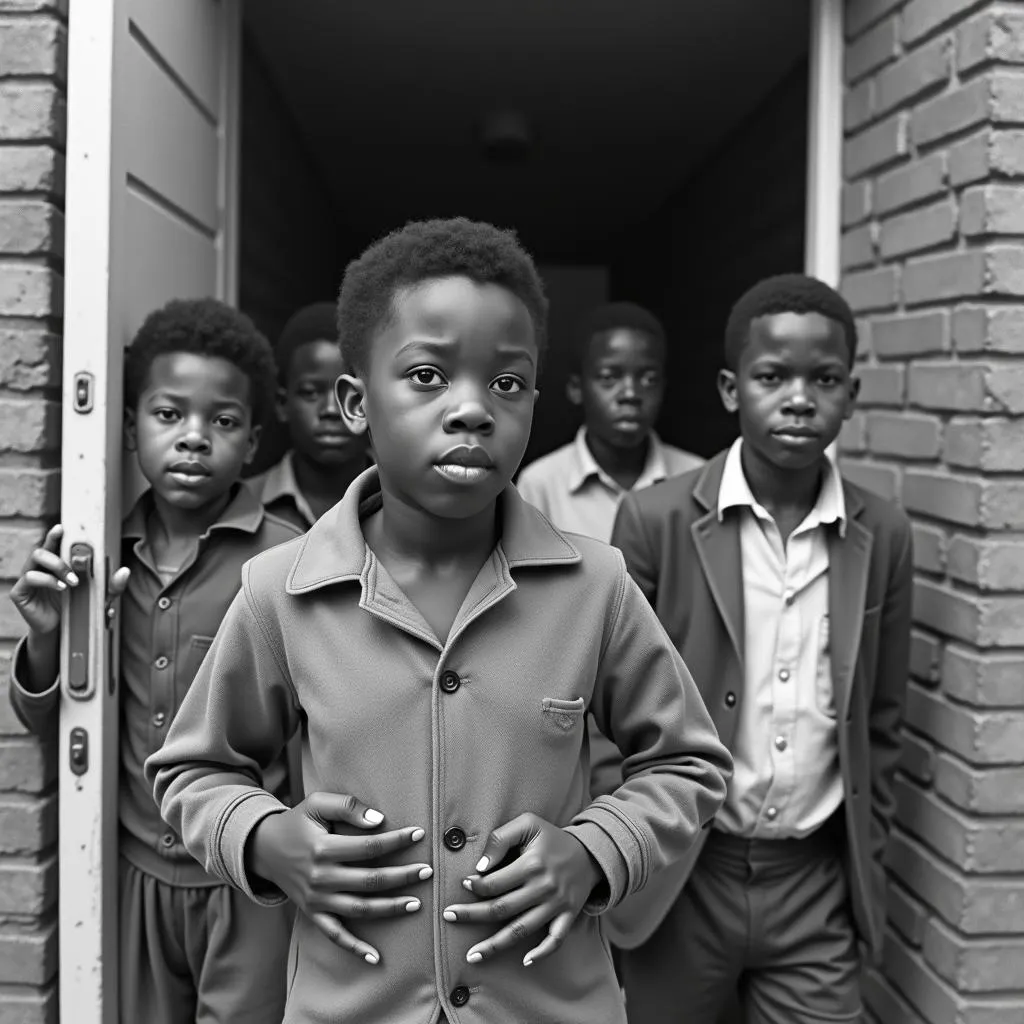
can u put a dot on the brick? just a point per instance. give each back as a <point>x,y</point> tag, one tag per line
<point>941,278</point>
<point>951,498</point>
<point>30,290</point>
<point>925,650</point>
<point>32,169</point>
<point>992,445</point>
<point>29,492</point>
<point>881,385</point>
<point>917,230</point>
<point>853,436</point>
<point>922,17</point>
<point>984,846</point>
<point>33,6</point>
<point>871,289</point>
<point>16,544</point>
<point>925,69</point>
<point>910,335</point>
<point>28,956</point>
<point>27,1006</point>
<point>912,183</point>
<point>856,203</point>
<point>29,358</point>
<point>984,622</point>
<point>978,737</point>
<point>1002,505</point>
<point>996,329</point>
<point>972,905</point>
<point>916,758</point>
<point>976,965</point>
<point>876,147</point>
<point>859,15</point>
<point>872,50</point>
<point>905,914</point>
<point>879,478</point>
<point>995,36</point>
<point>905,435</point>
<point>31,227</point>
<point>1004,270</point>
<point>26,765</point>
<point>35,47</point>
<point>27,887</point>
<point>858,106</point>
<point>929,549</point>
<point>27,825</point>
<point>886,1004</point>
<point>987,154</point>
<point>857,247</point>
<point>29,424</point>
<point>979,790</point>
<point>997,97</point>
<point>31,112</point>
<point>989,565</point>
<point>986,679</point>
<point>992,210</point>
<point>863,326</point>
<point>967,387</point>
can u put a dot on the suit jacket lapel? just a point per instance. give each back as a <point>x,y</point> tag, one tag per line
<point>849,560</point>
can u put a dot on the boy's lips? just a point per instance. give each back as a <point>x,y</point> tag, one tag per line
<point>189,468</point>
<point>464,464</point>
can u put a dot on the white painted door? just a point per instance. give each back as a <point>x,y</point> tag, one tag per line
<point>151,162</point>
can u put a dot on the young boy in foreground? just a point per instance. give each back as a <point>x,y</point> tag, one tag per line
<point>325,457</point>
<point>197,377</point>
<point>443,643</point>
<point>787,589</point>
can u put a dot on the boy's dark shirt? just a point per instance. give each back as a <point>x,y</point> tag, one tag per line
<point>165,632</point>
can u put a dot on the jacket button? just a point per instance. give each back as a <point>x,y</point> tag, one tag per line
<point>730,699</point>
<point>167,839</point>
<point>460,996</point>
<point>164,603</point>
<point>158,719</point>
<point>450,681</point>
<point>161,662</point>
<point>455,839</point>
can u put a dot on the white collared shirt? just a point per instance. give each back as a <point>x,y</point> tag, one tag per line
<point>572,490</point>
<point>786,781</point>
<point>279,491</point>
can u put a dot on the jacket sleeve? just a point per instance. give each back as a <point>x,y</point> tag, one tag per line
<point>630,537</point>
<point>232,725</point>
<point>37,711</point>
<point>674,767</point>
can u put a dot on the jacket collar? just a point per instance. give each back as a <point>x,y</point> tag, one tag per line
<point>243,513</point>
<point>334,550</point>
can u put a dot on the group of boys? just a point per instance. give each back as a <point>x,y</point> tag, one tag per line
<point>516,744</point>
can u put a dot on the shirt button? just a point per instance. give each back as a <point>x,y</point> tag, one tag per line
<point>167,839</point>
<point>730,699</point>
<point>784,674</point>
<point>164,603</point>
<point>450,681</point>
<point>460,996</point>
<point>789,595</point>
<point>161,662</point>
<point>158,719</point>
<point>455,839</point>
<point>772,813</point>
<point>780,743</point>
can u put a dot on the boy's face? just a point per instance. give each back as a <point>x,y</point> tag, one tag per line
<point>192,428</point>
<point>447,396</point>
<point>793,387</point>
<point>621,386</point>
<point>309,406</point>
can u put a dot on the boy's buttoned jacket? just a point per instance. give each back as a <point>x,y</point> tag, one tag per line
<point>687,562</point>
<point>457,738</point>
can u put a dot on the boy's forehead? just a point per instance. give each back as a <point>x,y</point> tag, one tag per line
<point>198,373</point>
<point>776,332</point>
<point>624,342</point>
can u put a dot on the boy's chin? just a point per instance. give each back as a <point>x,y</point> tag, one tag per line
<point>189,500</point>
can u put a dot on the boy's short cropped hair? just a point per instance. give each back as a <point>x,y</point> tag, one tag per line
<point>427,250</point>
<point>786,293</point>
<point>205,327</point>
<point>615,316</point>
<point>316,322</point>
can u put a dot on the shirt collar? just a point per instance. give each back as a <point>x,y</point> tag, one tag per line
<point>586,467</point>
<point>243,513</point>
<point>279,482</point>
<point>734,492</point>
<point>334,550</point>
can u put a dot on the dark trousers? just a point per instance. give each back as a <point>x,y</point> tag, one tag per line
<point>763,928</point>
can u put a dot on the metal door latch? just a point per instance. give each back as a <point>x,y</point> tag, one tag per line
<point>79,683</point>
<point>78,751</point>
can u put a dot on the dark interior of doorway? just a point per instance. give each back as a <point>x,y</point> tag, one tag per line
<point>737,217</point>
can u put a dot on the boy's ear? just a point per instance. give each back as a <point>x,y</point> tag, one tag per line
<point>852,395</point>
<point>351,394</point>
<point>727,390</point>
<point>254,442</point>
<point>130,430</point>
<point>574,389</point>
<point>281,405</point>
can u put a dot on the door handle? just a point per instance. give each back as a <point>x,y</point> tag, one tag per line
<point>80,683</point>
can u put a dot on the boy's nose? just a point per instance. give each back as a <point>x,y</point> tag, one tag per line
<point>469,416</point>
<point>193,441</point>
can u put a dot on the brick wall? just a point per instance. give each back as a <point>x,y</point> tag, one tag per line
<point>33,47</point>
<point>933,214</point>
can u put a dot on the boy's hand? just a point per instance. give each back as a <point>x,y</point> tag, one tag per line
<point>547,884</point>
<point>297,851</point>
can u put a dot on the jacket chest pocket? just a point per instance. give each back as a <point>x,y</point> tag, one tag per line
<point>194,654</point>
<point>562,717</point>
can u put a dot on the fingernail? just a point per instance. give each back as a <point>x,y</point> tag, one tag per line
<point>72,578</point>
<point>61,585</point>
<point>467,884</point>
<point>449,915</point>
<point>373,817</point>
<point>527,961</point>
<point>474,958</point>
<point>425,873</point>
<point>412,906</point>
<point>372,958</point>
<point>417,834</point>
<point>481,864</point>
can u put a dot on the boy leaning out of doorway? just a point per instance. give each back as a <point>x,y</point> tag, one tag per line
<point>198,377</point>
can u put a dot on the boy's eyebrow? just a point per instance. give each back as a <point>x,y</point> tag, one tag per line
<point>166,394</point>
<point>443,345</point>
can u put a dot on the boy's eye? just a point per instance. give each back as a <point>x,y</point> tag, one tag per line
<point>828,380</point>
<point>426,376</point>
<point>651,379</point>
<point>167,415</point>
<point>768,377</point>
<point>226,422</point>
<point>506,384</point>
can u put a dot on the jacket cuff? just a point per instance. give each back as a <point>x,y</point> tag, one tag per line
<point>35,708</point>
<point>230,839</point>
<point>600,845</point>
